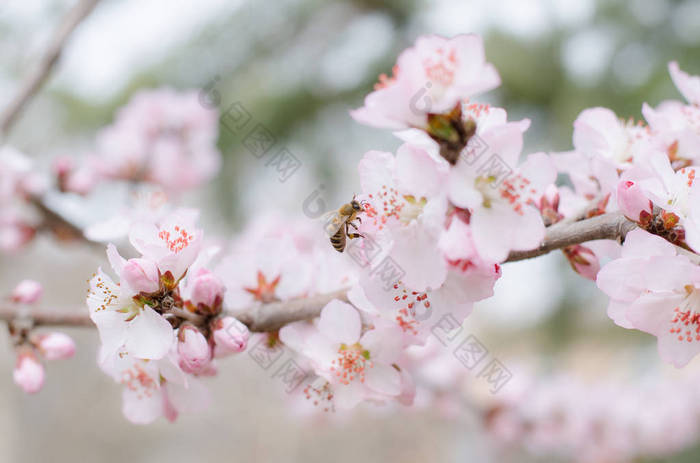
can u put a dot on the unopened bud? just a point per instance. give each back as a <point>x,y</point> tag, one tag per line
<point>230,336</point>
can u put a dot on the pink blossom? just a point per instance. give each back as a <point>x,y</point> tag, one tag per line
<point>172,244</point>
<point>55,346</point>
<point>654,289</point>
<point>598,133</point>
<point>262,268</point>
<point>155,388</point>
<point>357,365</point>
<point>405,205</point>
<point>29,372</point>
<point>164,137</point>
<point>583,260</point>
<point>230,336</point>
<point>206,290</point>
<point>633,202</point>
<point>503,213</point>
<point>121,322</point>
<point>431,77</point>
<point>193,349</point>
<point>141,275</point>
<point>27,292</point>
<point>675,192</point>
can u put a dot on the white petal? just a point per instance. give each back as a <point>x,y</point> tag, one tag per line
<point>340,322</point>
<point>149,336</point>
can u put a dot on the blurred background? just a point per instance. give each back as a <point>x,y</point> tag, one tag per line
<point>298,66</point>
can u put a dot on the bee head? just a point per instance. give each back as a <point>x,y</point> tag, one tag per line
<point>357,205</point>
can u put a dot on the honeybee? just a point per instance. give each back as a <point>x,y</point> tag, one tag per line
<point>337,223</point>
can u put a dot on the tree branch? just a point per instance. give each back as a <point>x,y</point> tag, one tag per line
<point>611,226</point>
<point>272,316</point>
<point>32,85</point>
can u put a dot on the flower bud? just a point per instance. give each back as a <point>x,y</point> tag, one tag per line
<point>27,292</point>
<point>207,290</point>
<point>28,373</point>
<point>633,202</point>
<point>56,346</point>
<point>583,261</point>
<point>193,349</point>
<point>230,336</point>
<point>141,275</point>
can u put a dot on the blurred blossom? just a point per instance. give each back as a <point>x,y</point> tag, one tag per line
<point>164,137</point>
<point>27,292</point>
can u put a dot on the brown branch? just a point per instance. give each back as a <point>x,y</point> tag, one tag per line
<point>611,226</point>
<point>61,227</point>
<point>272,316</point>
<point>32,85</point>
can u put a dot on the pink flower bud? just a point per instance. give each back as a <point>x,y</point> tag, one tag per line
<point>583,261</point>
<point>633,202</point>
<point>193,349</point>
<point>28,373</point>
<point>141,275</point>
<point>27,292</point>
<point>230,336</point>
<point>207,290</point>
<point>56,346</point>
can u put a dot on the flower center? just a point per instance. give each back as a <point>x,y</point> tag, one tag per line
<point>176,239</point>
<point>136,379</point>
<point>321,395</point>
<point>265,291</point>
<point>388,204</point>
<point>440,67</point>
<point>407,302</point>
<point>686,319</point>
<point>351,363</point>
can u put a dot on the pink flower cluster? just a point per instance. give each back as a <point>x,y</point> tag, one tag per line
<point>162,325</point>
<point>562,416</point>
<point>161,136</point>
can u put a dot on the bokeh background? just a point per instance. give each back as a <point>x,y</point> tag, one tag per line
<point>298,66</point>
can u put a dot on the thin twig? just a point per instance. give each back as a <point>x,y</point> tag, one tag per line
<point>35,81</point>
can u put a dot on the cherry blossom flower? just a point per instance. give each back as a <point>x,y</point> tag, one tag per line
<point>122,321</point>
<point>676,192</point>
<point>405,210</point>
<point>173,244</point>
<point>431,77</point>
<point>599,134</point>
<point>503,215</point>
<point>264,268</point>
<point>155,388</point>
<point>676,126</point>
<point>358,366</point>
<point>654,289</point>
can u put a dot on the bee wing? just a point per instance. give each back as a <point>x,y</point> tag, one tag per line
<point>332,221</point>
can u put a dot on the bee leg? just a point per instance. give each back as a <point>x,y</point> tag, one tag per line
<point>359,218</point>
<point>352,236</point>
<point>352,225</point>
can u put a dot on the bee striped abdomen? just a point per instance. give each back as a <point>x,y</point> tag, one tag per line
<point>338,240</point>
